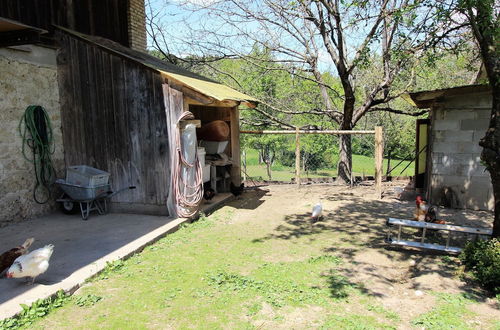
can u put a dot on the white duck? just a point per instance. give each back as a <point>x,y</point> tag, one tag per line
<point>31,264</point>
<point>316,212</point>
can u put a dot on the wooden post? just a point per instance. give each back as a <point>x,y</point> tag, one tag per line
<point>235,146</point>
<point>379,158</point>
<point>297,156</point>
<point>244,165</point>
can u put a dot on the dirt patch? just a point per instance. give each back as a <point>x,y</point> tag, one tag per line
<point>353,228</point>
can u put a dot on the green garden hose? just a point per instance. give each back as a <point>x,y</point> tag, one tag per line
<point>36,131</point>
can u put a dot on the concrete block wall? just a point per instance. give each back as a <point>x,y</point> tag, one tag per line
<point>457,177</point>
<point>137,25</point>
<point>27,77</point>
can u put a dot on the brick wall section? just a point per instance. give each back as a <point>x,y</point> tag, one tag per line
<point>456,128</point>
<point>22,84</point>
<point>137,25</point>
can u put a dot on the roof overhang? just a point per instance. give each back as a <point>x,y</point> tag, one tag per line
<point>425,99</point>
<point>197,87</point>
<point>13,33</point>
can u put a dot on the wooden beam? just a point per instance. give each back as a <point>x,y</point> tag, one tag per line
<point>19,37</point>
<point>333,132</point>
<point>379,157</point>
<point>235,146</point>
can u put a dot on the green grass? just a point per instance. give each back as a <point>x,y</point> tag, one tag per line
<point>208,275</point>
<point>449,313</point>
<point>219,273</point>
<point>362,165</point>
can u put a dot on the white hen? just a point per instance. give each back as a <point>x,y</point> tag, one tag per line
<point>316,212</point>
<point>31,264</point>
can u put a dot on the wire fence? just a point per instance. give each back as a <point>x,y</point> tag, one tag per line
<point>273,158</point>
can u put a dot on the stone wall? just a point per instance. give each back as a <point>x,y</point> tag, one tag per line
<point>28,76</point>
<point>137,25</point>
<point>457,177</point>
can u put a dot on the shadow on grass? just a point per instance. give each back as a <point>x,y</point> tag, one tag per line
<point>361,226</point>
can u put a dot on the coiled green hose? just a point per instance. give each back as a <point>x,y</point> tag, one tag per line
<point>35,129</point>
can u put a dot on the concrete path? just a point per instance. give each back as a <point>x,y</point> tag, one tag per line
<point>82,249</point>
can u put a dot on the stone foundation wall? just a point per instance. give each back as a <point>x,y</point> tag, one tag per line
<point>457,177</point>
<point>27,77</point>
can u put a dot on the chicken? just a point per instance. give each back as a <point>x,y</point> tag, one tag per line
<point>208,194</point>
<point>317,212</point>
<point>8,257</point>
<point>236,191</point>
<point>32,264</point>
<point>425,212</point>
<point>421,209</point>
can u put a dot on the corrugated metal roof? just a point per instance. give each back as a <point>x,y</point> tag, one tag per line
<point>425,99</point>
<point>196,82</point>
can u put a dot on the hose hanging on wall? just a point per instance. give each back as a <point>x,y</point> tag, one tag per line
<point>187,195</point>
<point>36,131</point>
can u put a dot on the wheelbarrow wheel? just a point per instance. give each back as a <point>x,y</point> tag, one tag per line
<point>68,207</point>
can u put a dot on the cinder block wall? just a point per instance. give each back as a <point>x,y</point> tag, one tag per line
<point>27,77</point>
<point>137,25</point>
<point>457,177</point>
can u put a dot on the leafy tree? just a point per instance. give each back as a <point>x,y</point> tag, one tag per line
<point>353,37</point>
<point>484,19</point>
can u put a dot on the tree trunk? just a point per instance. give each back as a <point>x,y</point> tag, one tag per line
<point>345,159</point>
<point>495,180</point>
<point>268,168</point>
<point>491,152</point>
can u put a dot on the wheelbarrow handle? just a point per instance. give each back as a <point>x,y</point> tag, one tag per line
<point>111,194</point>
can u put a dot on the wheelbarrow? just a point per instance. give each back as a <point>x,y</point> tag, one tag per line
<point>88,198</point>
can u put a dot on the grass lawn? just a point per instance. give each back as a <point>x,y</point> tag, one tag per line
<point>260,263</point>
<point>361,165</point>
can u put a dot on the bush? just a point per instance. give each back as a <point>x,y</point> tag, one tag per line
<point>482,259</point>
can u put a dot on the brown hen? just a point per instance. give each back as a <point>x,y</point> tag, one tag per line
<point>8,257</point>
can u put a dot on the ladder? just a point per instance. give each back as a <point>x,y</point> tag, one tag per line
<point>400,223</point>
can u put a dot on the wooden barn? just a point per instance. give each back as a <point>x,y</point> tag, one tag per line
<point>116,106</point>
<point>112,105</point>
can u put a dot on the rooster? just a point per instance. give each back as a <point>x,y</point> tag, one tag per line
<point>421,209</point>
<point>31,264</point>
<point>425,212</point>
<point>8,257</point>
<point>317,212</point>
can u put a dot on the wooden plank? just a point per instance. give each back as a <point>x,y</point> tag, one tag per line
<point>437,226</point>
<point>379,158</point>
<point>78,151</point>
<point>65,85</point>
<point>162,143</point>
<point>235,147</point>
<point>334,132</point>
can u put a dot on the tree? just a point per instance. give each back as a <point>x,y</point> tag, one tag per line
<point>351,36</point>
<point>484,19</point>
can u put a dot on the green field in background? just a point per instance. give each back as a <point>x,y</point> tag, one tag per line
<point>362,165</point>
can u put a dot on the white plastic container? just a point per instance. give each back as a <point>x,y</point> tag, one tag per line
<point>212,147</point>
<point>83,175</point>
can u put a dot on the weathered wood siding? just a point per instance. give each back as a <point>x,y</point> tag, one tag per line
<point>105,18</point>
<point>113,118</point>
